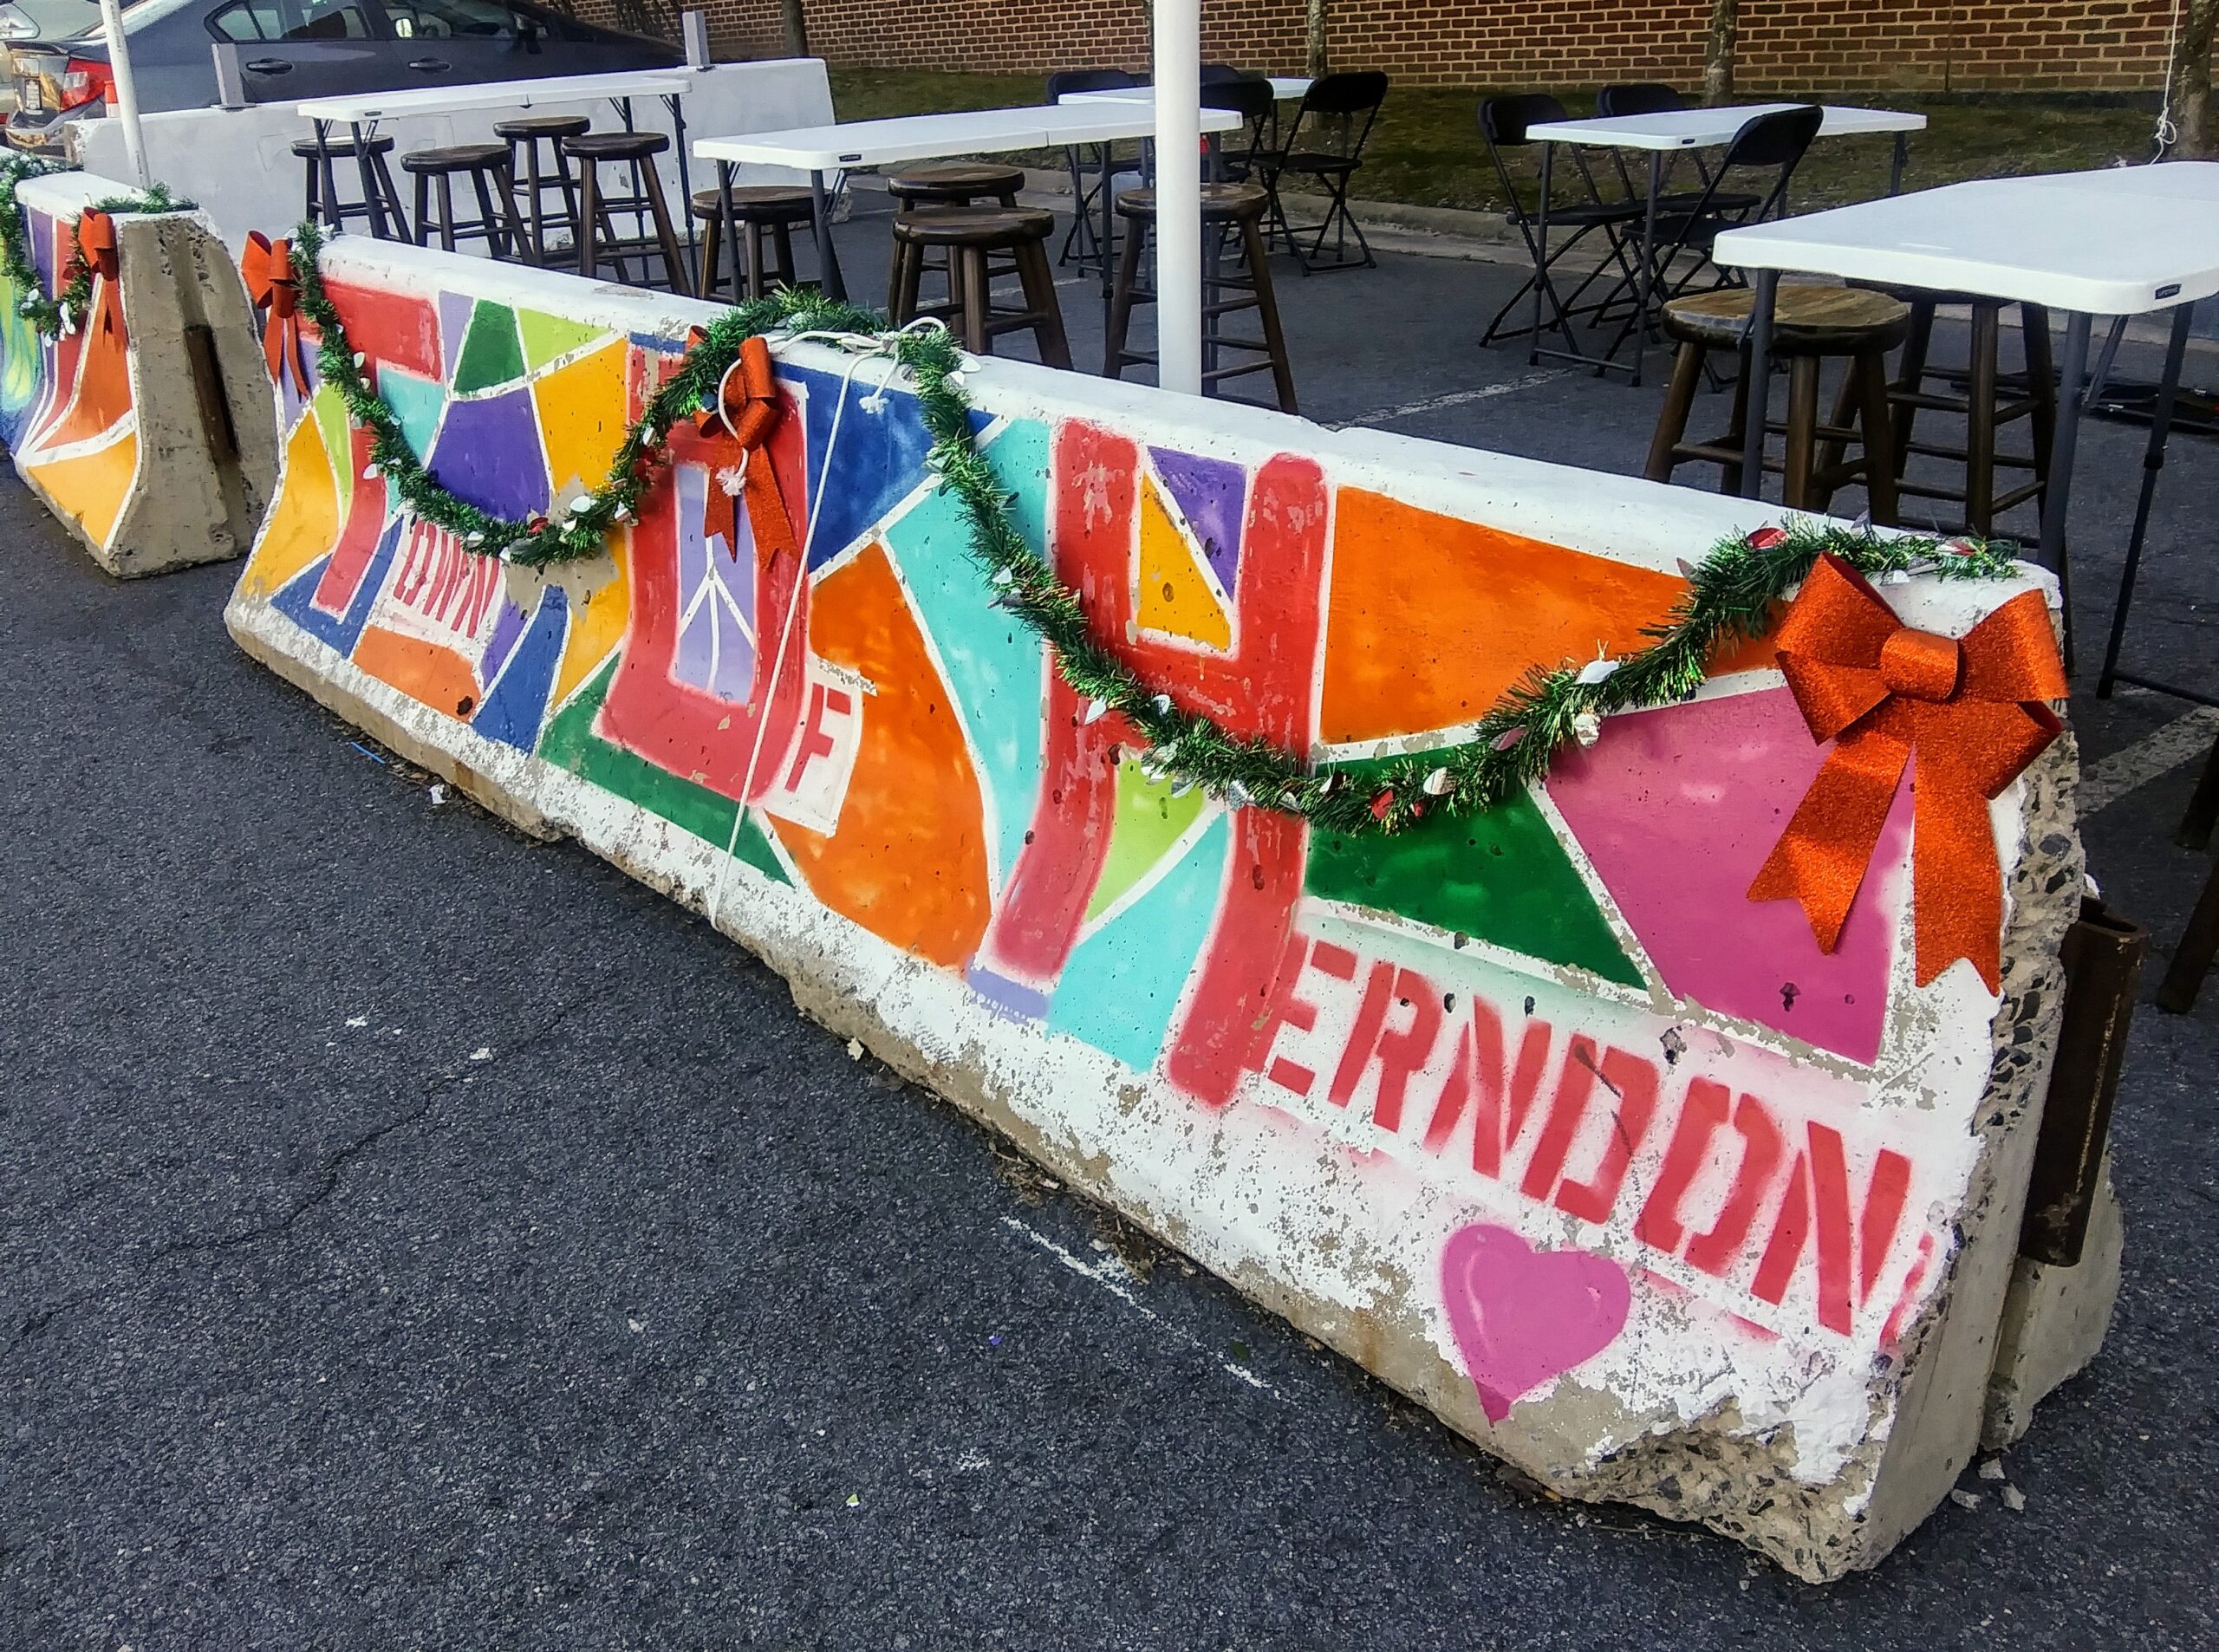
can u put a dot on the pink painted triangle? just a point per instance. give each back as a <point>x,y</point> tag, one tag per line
<point>1676,809</point>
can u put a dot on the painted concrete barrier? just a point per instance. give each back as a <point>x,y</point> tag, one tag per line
<point>1534,1113</point>
<point>239,165</point>
<point>147,426</point>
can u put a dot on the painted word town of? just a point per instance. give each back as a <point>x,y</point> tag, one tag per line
<point>1534,1111</point>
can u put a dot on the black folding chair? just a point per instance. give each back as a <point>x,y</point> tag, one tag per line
<point>1336,113</point>
<point>1503,125</point>
<point>1762,157</point>
<point>1644,97</point>
<point>1083,241</point>
<point>1246,152</point>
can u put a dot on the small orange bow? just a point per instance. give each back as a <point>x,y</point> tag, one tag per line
<point>748,406</point>
<point>1971,712</point>
<point>96,245</point>
<point>268,268</point>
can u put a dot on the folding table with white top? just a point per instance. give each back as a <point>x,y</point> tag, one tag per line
<point>819,150</point>
<point>362,111</point>
<point>2123,241</point>
<point>1663,135</point>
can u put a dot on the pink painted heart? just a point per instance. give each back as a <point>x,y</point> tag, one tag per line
<point>1522,1316</point>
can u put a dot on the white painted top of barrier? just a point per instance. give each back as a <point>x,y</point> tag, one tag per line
<point>494,95</point>
<point>1711,129</point>
<point>1285,87</point>
<point>928,137</point>
<point>2108,242</point>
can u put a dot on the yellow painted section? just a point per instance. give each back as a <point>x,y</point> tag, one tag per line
<point>581,409</point>
<point>92,487</point>
<point>304,522</point>
<point>597,623</point>
<point>1176,598</point>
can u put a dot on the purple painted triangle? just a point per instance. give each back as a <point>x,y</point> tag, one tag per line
<point>488,452</point>
<point>1209,493</point>
<point>454,327</point>
<point>1676,809</point>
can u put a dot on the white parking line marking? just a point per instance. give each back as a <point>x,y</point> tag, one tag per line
<point>1453,399</point>
<point>1111,1275</point>
<point>2185,739</point>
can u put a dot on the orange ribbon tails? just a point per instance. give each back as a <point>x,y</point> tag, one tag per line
<point>268,268</point>
<point>1969,711</point>
<point>96,243</point>
<point>749,407</point>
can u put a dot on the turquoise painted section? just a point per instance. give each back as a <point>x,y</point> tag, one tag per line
<point>994,664</point>
<point>1121,985</point>
<point>415,403</point>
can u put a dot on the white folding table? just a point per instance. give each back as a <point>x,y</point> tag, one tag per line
<point>819,150</point>
<point>1661,136</point>
<point>2123,241</point>
<point>362,111</point>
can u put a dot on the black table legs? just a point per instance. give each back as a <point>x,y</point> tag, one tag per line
<point>2153,460</point>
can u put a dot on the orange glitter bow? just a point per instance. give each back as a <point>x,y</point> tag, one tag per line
<point>96,245</point>
<point>748,406</point>
<point>1971,712</point>
<point>268,267</point>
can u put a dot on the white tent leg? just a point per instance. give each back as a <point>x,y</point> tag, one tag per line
<point>1178,72</point>
<point>126,93</point>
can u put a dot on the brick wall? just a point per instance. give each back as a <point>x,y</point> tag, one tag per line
<point>1802,45</point>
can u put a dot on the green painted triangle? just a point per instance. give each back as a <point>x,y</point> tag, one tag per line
<point>569,742</point>
<point>490,352</point>
<point>332,422</point>
<point>548,336</point>
<point>1499,876</point>
<point>754,848</point>
<point>1147,822</point>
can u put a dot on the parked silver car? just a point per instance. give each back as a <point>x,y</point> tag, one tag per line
<point>301,48</point>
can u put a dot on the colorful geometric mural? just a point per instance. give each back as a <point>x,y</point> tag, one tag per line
<point>66,403</point>
<point>1562,1015</point>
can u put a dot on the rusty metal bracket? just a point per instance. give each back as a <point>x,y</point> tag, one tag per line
<point>2103,955</point>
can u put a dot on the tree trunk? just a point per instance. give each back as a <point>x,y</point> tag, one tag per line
<point>790,12</point>
<point>2191,89</point>
<point>1718,52</point>
<point>1313,59</point>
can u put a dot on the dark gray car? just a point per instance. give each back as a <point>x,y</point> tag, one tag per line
<point>300,49</point>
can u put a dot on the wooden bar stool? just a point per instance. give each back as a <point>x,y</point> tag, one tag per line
<point>1811,324</point>
<point>1228,210</point>
<point>645,203</point>
<point>1987,399</point>
<point>971,236</point>
<point>381,179</point>
<point>524,135</point>
<point>486,166</point>
<point>948,183</point>
<point>756,208</point>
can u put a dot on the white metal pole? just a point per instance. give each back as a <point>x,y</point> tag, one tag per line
<point>1178,194</point>
<point>126,94</point>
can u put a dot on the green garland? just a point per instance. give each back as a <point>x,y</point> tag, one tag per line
<point>1732,595</point>
<point>69,306</point>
